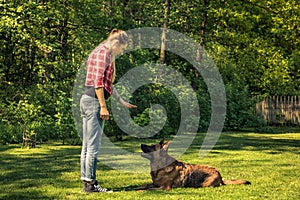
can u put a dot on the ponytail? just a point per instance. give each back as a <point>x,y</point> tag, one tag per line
<point>122,38</point>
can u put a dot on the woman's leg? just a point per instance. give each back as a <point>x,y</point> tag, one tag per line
<point>92,132</point>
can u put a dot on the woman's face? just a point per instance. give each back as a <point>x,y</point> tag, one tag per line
<point>118,49</point>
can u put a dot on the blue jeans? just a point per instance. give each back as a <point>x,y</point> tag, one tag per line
<point>91,137</point>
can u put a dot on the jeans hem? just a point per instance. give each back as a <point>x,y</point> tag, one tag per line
<point>87,179</point>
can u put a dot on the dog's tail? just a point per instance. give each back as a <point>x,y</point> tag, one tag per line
<point>236,182</point>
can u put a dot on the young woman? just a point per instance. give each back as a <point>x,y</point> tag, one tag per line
<point>101,72</point>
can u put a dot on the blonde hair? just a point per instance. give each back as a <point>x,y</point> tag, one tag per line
<point>119,35</point>
<point>122,38</point>
<point>114,73</point>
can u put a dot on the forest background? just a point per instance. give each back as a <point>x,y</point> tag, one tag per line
<point>254,43</point>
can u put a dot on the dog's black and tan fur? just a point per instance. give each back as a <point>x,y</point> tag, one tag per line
<point>168,173</point>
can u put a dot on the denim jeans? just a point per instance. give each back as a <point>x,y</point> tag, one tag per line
<point>91,136</point>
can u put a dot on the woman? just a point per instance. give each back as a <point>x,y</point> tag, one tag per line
<point>101,74</point>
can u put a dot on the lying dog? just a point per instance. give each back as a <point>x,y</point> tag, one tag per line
<point>168,173</point>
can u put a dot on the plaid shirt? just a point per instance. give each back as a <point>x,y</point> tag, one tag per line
<point>100,69</point>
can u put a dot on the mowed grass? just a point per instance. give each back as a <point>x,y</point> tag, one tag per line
<point>270,161</point>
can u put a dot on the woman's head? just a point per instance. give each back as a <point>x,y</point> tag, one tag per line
<point>118,41</point>
<point>119,35</point>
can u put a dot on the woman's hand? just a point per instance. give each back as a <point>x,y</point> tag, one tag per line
<point>104,114</point>
<point>126,104</point>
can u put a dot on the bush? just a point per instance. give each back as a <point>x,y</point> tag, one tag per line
<point>240,106</point>
<point>10,134</point>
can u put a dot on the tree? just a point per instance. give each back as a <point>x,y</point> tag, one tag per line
<point>255,44</point>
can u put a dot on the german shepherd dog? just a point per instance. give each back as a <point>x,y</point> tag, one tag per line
<point>168,173</point>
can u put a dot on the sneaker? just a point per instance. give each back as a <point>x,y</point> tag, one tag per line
<point>94,187</point>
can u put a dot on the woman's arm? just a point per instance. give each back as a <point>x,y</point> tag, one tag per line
<point>119,98</point>
<point>104,114</point>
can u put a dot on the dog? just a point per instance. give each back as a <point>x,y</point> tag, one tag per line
<point>167,172</point>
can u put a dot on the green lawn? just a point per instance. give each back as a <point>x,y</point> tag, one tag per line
<point>270,161</point>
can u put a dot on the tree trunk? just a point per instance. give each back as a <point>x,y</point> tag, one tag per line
<point>202,31</point>
<point>163,36</point>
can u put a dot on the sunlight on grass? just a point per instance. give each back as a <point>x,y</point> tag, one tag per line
<point>269,161</point>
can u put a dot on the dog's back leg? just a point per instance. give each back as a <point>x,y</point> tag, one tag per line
<point>214,180</point>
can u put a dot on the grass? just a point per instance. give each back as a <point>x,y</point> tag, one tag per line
<point>270,161</point>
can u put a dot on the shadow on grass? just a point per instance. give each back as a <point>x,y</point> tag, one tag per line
<point>4,148</point>
<point>27,195</point>
<point>242,141</point>
<point>34,173</point>
<point>127,188</point>
<point>37,173</point>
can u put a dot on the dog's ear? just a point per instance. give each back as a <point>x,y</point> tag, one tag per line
<point>162,141</point>
<point>166,146</point>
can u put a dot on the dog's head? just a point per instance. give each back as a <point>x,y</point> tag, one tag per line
<point>158,156</point>
<point>155,151</point>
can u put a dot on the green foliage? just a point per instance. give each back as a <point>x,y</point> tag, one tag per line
<point>255,44</point>
<point>64,123</point>
<point>260,40</point>
<point>25,113</point>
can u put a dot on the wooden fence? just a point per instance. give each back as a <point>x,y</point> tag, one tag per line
<point>280,110</point>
